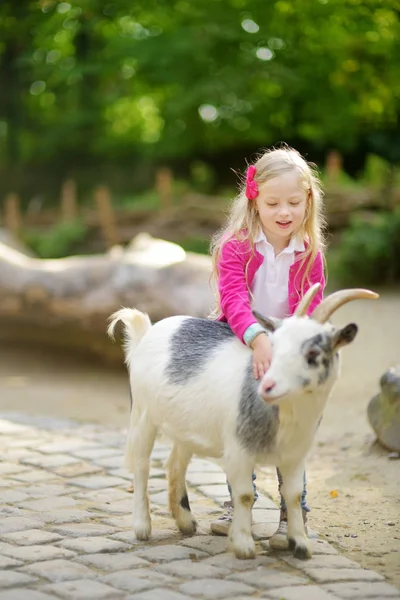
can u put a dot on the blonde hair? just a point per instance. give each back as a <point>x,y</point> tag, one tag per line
<point>243,221</point>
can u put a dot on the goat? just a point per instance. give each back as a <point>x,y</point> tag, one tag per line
<point>192,380</point>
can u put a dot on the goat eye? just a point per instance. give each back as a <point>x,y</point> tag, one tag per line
<point>311,356</point>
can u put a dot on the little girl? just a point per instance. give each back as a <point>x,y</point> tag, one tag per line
<point>266,257</point>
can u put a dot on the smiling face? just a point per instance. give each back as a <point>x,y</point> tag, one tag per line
<point>281,204</point>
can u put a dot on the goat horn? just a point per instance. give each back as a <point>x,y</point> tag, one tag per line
<point>306,300</point>
<point>330,304</point>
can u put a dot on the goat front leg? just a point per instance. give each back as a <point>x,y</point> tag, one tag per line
<point>178,497</point>
<point>239,473</point>
<point>292,488</point>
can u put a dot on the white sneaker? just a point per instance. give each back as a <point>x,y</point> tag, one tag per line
<point>221,525</point>
<point>279,540</point>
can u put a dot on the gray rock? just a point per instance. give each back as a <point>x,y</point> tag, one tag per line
<point>384,410</point>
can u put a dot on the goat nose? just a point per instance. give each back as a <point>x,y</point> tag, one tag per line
<point>268,385</point>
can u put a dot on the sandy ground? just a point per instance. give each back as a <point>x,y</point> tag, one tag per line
<point>364,517</point>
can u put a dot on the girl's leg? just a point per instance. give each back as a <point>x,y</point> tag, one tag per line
<point>304,505</point>
<point>221,525</point>
<point>279,540</point>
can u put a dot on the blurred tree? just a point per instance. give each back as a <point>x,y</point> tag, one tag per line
<point>93,82</point>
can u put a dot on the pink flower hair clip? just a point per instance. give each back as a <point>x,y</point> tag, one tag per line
<point>251,185</point>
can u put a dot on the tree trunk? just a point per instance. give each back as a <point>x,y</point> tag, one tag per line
<point>66,302</point>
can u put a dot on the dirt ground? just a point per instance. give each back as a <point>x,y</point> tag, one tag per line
<point>363,520</point>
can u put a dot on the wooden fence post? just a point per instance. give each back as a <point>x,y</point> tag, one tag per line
<point>333,167</point>
<point>69,208</point>
<point>12,214</point>
<point>164,187</point>
<point>106,214</point>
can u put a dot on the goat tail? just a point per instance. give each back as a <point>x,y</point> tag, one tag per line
<point>136,325</point>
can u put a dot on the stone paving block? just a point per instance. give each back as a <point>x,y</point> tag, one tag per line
<point>158,594</point>
<point>122,507</point>
<point>59,570</point>
<point>93,544</point>
<point>49,461</point>
<point>322,547</point>
<point>186,568</point>
<point>119,522</point>
<point>21,594</point>
<point>49,503</point>
<point>263,531</point>
<point>97,482</point>
<point>138,580</point>
<point>157,535</point>
<point>204,478</point>
<point>29,537</point>
<point>16,523</point>
<point>211,544</point>
<point>217,490</point>
<point>77,469</point>
<point>46,490</point>
<point>64,515</point>
<point>34,476</point>
<point>200,465</point>
<point>110,462</point>
<point>230,562</point>
<point>358,590</point>
<point>103,496</point>
<point>82,589</point>
<point>6,562</point>
<point>122,473</point>
<point>35,553</point>
<point>264,515</point>
<point>67,446</point>
<point>12,578</point>
<point>158,484</point>
<point>80,529</point>
<point>215,588</point>
<point>325,575</point>
<point>169,553</point>
<point>13,495</point>
<point>11,469</point>
<point>267,578</point>
<point>113,562</point>
<point>305,592</point>
<point>94,453</point>
<point>330,561</point>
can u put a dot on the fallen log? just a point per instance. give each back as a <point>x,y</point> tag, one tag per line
<point>66,302</point>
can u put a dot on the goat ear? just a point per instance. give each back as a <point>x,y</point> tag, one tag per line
<point>342,337</point>
<point>269,323</point>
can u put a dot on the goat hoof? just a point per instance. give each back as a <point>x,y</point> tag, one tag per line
<point>245,549</point>
<point>300,548</point>
<point>188,528</point>
<point>142,532</point>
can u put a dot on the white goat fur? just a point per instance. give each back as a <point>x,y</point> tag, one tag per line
<point>201,417</point>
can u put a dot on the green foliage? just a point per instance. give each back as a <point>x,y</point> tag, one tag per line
<point>59,241</point>
<point>195,244</point>
<point>369,251</point>
<point>90,82</point>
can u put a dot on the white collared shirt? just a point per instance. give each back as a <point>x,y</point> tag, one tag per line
<point>270,284</point>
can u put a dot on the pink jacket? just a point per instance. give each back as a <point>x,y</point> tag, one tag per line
<point>234,290</point>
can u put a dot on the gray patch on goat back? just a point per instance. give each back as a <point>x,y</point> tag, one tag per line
<point>257,422</point>
<point>193,345</point>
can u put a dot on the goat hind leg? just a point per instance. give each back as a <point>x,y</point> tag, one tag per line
<point>142,438</point>
<point>178,497</point>
<point>292,488</point>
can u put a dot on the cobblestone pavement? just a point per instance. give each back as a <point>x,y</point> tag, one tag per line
<point>65,529</point>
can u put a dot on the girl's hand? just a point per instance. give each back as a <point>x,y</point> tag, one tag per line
<point>262,354</point>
